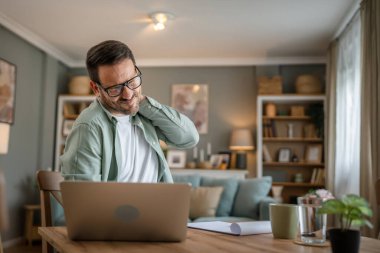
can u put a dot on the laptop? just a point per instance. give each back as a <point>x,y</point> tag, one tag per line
<point>110,211</point>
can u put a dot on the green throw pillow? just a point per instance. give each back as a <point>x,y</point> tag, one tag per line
<point>250,193</point>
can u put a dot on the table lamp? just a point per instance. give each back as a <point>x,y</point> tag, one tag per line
<point>241,141</point>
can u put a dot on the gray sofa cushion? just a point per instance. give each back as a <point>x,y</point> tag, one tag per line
<point>226,202</point>
<point>249,195</point>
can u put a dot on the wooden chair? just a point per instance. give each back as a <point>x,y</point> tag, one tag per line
<point>48,183</point>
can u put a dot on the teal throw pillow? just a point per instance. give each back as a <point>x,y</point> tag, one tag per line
<point>226,202</point>
<point>251,191</point>
<point>193,179</point>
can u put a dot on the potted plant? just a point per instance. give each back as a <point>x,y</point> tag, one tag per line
<point>352,211</point>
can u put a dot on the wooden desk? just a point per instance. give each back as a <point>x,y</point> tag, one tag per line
<point>197,241</point>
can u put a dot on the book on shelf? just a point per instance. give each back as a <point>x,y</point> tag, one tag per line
<point>318,176</point>
<point>266,155</point>
<point>269,128</point>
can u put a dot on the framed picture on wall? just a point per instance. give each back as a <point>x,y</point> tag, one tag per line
<point>192,100</point>
<point>7,91</point>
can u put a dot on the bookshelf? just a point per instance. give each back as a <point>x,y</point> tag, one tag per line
<point>290,142</point>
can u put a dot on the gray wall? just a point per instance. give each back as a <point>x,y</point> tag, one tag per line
<point>32,134</point>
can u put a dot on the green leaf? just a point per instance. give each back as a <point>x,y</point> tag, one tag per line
<point>332,206</point>
<point>368,224</point>
<point>354,200</point>
<point>366,211</point>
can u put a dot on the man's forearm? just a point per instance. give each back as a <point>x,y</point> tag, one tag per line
<point>174,128</point>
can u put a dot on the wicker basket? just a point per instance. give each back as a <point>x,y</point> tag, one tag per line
<point>308,84</point>
<point>79,85</point>
<point>270,85</point>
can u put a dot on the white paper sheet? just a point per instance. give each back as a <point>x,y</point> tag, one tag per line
<point>236,228</point>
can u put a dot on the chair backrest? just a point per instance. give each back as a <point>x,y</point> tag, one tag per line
<point>48,182</point>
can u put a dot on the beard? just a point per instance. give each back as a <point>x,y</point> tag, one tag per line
<point>122,106</point>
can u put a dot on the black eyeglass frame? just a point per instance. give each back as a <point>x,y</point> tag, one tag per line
<point>125,84</point>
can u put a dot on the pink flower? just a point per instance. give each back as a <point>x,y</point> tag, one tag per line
<point>320,193</point>
<point>324,194</point>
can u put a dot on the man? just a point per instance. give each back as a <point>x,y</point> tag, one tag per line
<point>117,137</point>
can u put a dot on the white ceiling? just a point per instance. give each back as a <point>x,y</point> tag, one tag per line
<point>204,32</point>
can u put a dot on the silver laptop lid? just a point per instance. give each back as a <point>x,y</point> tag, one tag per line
<point>126,211</point>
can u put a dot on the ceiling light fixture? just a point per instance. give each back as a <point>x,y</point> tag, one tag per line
<point>159,19</point>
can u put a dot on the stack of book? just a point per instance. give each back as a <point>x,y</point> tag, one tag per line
<point>318,176</point>
<point>269,128</point>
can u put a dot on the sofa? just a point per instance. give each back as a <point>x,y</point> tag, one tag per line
<point>227,199</point>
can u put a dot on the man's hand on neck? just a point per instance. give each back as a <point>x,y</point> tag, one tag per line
<point>141,98</point>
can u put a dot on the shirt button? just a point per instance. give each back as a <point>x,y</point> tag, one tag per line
<point>150,107</point>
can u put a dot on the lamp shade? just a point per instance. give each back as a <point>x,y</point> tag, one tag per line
<point>241,139</point>
<point>4,138</point>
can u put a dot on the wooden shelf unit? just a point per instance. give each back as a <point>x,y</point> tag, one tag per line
<point>284,173</point>
<point>68,109</point>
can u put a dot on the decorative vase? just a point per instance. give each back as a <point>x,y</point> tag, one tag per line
<point>347,241</point>
<point>270,110</point>
<point>79,85</point>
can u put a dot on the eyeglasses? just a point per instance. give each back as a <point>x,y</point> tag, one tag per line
<point>117,89</point>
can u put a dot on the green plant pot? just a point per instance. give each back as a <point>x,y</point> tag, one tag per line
<point>347,241</point>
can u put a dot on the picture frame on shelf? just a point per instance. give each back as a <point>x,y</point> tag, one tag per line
<point>220,161</point>
<point>7,91</point>
<point>313,153</point>
<point>284,155</point>
<point>67,125</point>
<point>215,161</point>
<point>225,160</point>
<point>176,158</point>
<point>227,157</point>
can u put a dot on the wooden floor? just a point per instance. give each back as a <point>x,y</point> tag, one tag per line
<point>23,248</point>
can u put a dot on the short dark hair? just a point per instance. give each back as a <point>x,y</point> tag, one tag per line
<point>108,52</point>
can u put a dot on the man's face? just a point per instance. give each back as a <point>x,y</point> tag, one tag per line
<point>127,103</point>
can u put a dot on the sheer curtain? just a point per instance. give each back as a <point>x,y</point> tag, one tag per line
<point>347,149</point>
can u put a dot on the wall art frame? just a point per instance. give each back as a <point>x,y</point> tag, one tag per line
<point>192,101</point>
<point>7,91</point>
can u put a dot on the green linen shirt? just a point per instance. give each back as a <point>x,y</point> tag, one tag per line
<point>92,151</point>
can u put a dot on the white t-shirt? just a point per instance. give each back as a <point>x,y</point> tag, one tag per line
<point>139,162</point>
